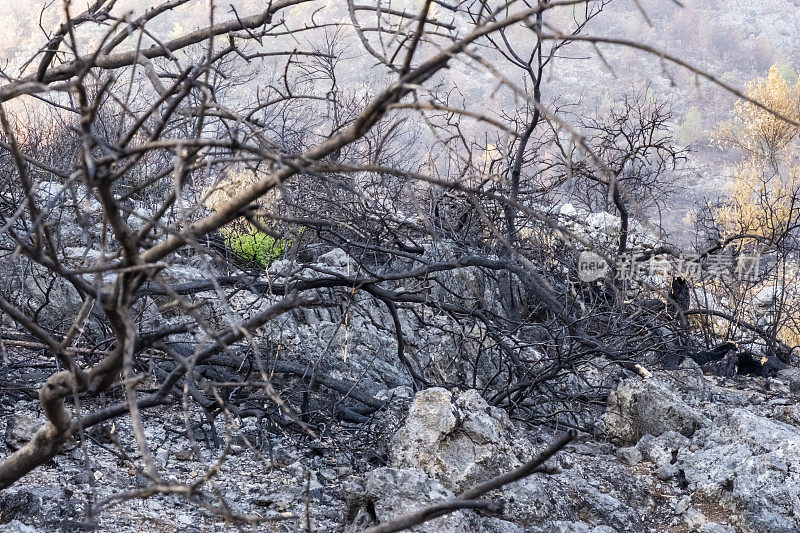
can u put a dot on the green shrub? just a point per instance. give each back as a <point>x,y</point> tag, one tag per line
<point>256,247</point>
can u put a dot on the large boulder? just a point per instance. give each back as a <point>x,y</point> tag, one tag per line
<point>457,440</point>
<point>638,407</point>
<point>50,300</point>
<point>461,440</point>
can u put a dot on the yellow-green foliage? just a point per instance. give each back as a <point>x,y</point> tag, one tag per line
<point>246,242</point>
<point>757,132</point>
<point>764,187</point>
<point>256,247</point>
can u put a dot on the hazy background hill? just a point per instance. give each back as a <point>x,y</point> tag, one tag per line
<point>736,40</point>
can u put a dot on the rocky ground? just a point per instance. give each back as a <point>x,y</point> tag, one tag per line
<point>680,452</point>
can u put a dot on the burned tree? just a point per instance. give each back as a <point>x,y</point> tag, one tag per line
<point>201,220</point>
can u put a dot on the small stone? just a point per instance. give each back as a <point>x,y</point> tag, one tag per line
<point>82,478</point>
<point>682,505</point>
<point>713,527</point>
<point>695,519</point>
<point>236,449</point>
<point>327,474</point>
<point>184,455</point>
<point>630,455</point>
<point>281,506</point>
<point>666,472</point>
<point>645,442</point>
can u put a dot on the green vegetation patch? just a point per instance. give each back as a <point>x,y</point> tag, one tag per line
<point>256,247</point>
